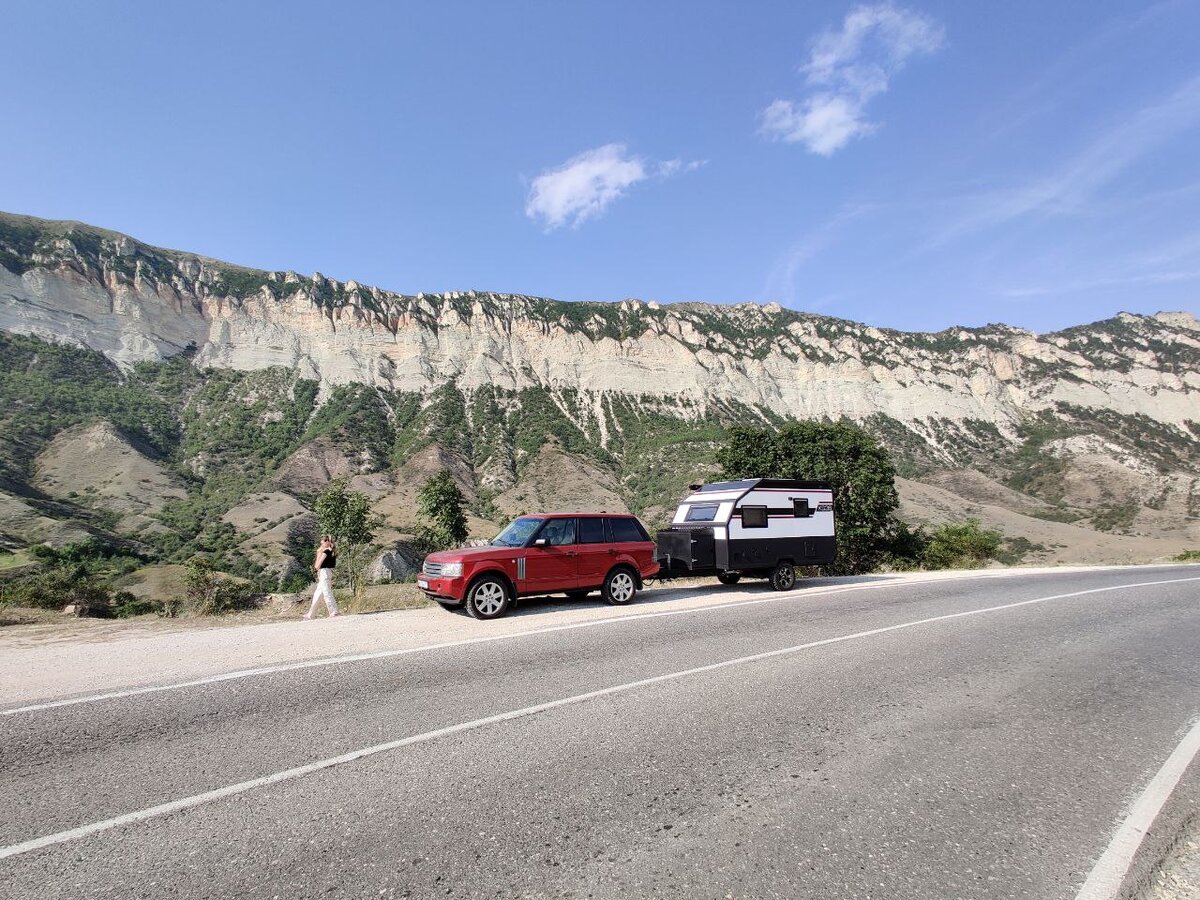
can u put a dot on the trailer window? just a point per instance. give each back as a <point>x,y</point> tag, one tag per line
<point>803,510</point>
<point>754,517</point>
<point>702,513</point>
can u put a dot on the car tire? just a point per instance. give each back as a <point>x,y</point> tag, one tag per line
<point>729,577</point>
<point>577,595</point>
<point>620,587</point>
<point>487,598</point>
<point>783,577</point>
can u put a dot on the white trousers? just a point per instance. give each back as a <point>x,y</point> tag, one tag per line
<point>324,591</point>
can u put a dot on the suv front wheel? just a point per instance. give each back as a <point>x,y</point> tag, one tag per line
<point>487,598</point>
<point>620,587</point>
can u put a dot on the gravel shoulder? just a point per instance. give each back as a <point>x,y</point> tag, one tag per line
<point>48,662</point>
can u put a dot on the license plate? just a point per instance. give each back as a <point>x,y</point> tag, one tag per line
<point>423,584</point>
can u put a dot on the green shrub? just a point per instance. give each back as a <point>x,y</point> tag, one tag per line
<point>1188,556</point>
<point>961,546</point>
<point>56,588</point>
<point>209,593</point>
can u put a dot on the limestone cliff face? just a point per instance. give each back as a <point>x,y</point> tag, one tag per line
<point>73,283</point>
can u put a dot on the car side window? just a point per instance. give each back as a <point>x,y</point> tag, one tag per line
<point>591,531</point>
<point>624,530</point>
<point>558,532</point>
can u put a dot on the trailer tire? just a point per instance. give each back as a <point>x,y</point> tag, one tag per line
<point>729,577</point>
<point>783,577</point>
<point>487,598</point>
<point>620,586</point>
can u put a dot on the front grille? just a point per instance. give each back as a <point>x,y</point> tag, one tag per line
<point>432,569</point>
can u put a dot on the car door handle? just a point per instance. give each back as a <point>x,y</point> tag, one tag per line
<point>612,552</point>
<point>570,553</point>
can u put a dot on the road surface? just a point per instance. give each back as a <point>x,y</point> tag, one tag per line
<point>961,738</point>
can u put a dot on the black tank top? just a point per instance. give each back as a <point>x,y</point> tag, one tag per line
<point>330,560</point>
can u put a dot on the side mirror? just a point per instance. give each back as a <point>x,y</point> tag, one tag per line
<point>540,542</point>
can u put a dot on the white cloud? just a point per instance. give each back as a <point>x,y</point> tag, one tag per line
<point>846,69</point>
<point>586,185</point>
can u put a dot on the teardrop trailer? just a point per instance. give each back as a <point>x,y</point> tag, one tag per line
<point>756,528</point>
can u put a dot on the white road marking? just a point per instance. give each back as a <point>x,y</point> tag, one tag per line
<point>1104,882</point>
<point>164,809</point>
<point>384,654</point>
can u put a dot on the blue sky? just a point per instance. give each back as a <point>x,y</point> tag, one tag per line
<point>912,165</point>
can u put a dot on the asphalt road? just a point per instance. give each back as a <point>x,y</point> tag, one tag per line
<point>977,756</point>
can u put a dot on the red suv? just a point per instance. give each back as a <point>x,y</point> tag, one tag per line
<point>571,553</point>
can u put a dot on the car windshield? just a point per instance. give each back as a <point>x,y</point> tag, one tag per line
<point>517,533</point>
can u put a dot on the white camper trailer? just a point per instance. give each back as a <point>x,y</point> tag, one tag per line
<point>760,527</point>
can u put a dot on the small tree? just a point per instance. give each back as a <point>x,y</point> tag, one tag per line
<point>852,461</point>
<point>347,516</point>
<point>440,504</point>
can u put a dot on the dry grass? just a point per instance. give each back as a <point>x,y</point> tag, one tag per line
<point>12,560</point>
<point>384,597</point>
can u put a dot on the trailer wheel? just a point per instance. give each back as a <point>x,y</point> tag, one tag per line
<point>487,598</point>
<point>783,578</point>
<point>620,587</point>
<point>729,577</point>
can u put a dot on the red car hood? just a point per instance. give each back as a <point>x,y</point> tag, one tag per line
<point>465,553</point>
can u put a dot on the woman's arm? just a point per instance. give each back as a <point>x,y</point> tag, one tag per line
<point>319,558</point>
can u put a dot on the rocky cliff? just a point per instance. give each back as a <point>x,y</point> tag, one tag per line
<point>132,302</point>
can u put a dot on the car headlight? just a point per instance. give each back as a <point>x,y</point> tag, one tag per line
<point>451,570</point>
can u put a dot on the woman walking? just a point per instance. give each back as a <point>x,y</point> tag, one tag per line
<point>323,565</point>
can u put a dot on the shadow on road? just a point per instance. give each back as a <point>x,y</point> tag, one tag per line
<point>663,592</point>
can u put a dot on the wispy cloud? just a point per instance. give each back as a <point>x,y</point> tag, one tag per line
<point>845,70</point>
<point>1174,261</point>
<point>586,185</point>
<point>781,280</point>
<point>1069,189</point>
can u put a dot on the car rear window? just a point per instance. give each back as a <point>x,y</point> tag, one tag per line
<point>591,531</point>
<point>628,530</point>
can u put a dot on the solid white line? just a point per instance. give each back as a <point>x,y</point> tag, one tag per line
<point>289,774</point>
<point>1110,870</point>
<point>385,654</point>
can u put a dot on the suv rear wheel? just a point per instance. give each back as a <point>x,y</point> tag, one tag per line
<point>487,598</point>
<point>620,587</point>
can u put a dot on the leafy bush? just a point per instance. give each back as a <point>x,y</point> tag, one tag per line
<point>56,588</point>
<point>961,546</point>
<point>1188,556</point>
<point>209,593</point>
